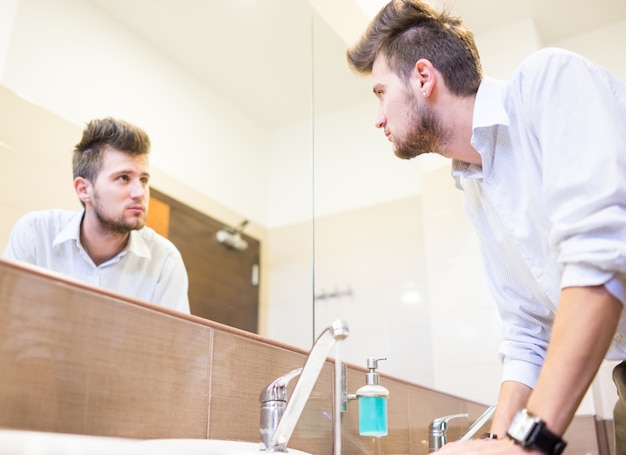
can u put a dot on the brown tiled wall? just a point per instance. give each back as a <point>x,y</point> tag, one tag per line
<point>76,360</point>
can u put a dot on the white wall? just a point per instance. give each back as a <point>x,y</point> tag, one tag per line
<point>7,17</point>
<point>75,61</point>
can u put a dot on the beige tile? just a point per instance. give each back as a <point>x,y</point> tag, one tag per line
<point>76,361</point>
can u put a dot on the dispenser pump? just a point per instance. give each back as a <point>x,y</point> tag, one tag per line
<point>373,402</point>
<point>372,377</point>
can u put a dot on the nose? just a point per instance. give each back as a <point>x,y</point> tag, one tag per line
<point>138,190</point>
<point>381,120</point>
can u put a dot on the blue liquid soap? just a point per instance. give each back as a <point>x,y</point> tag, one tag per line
<point>372,403</point>
<point>373,414</point>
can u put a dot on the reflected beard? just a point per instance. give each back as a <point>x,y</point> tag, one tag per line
<point>117,226</point>
<point>427,133</point>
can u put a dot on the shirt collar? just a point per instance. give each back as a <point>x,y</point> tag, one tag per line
<point>136,244</point>
<point>71,231</point>
<point>489,106</point>
<point>489,112</point>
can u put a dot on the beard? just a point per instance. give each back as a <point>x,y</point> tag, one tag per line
<point>426,133</point>
<point>119,225</point>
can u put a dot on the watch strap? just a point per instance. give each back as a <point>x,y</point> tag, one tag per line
<point>547,442</point>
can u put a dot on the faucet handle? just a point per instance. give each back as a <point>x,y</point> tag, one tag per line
<point>441,424</point>
<point>277,390</point>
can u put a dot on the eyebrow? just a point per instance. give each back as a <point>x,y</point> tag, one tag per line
<point>129,171</point>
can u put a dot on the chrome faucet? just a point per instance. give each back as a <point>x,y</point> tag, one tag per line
<point>273,403</point>
<point>437,436</point>
<point>279,415</point>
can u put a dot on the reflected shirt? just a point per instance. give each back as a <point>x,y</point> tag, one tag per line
<point>149,268</point>
<point>549,201</point>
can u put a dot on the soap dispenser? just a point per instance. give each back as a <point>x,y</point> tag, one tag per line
<point>372,403</point>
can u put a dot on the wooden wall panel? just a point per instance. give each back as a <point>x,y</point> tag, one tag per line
<point>159,216</point>
<point>220,285</point>
<point>74,360</point>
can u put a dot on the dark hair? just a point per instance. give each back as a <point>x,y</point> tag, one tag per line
<point>405,31</point>
<point>106,133</point>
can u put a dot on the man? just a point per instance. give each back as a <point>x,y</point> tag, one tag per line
<point>542,163</point>
<point>107,244</point>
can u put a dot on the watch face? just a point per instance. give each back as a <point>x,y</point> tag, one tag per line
<point>522,427</point>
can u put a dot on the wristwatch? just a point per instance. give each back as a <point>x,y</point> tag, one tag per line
<point>530,431</point>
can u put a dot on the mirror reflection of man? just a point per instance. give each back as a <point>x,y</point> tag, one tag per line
<point>107,244</point>
<point>541,160</point>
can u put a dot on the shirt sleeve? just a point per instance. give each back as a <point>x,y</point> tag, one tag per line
<point>21,246</point>
<point>172,288</point>
<point>578,113</point>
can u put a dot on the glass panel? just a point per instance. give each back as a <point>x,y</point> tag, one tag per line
<point>369,257</point>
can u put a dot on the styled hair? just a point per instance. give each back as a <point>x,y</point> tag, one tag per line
<point>405,31</point>
<point>101,134</point>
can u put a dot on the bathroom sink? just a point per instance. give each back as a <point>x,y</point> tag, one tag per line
<point>212,447</point>
<point>21,442</point>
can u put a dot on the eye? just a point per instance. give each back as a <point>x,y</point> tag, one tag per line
<point>145,180</point>
<point>378,90</point>
<point>123,178</point>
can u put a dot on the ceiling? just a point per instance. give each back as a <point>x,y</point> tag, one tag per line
<point>258,54</point>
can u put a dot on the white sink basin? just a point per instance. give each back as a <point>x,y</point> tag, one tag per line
<point>212,447</point>
<point>19,442</point>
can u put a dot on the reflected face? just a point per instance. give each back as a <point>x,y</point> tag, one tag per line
<point>120,194</point>
<point>410,124</point>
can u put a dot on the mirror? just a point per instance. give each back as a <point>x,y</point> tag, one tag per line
<point>227,92</point>
<point>254,114</point>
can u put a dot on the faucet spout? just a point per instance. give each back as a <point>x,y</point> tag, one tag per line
<point>288,417</point>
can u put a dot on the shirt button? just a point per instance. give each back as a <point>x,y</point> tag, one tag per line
<point>537,271</point>
<point>618,337</point>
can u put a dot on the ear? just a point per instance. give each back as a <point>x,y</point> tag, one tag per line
<point>425,76</point>
<point>82,186</point>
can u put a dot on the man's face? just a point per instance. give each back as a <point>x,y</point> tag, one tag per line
<point>410,124</point>
<point>120,193</point>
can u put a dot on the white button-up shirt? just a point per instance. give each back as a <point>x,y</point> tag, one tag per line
<point>149,268</point>
<point>549,202</point>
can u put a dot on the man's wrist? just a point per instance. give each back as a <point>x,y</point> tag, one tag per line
<point>531,432</point>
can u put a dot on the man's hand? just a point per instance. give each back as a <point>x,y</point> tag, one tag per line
<point>486,447</point>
